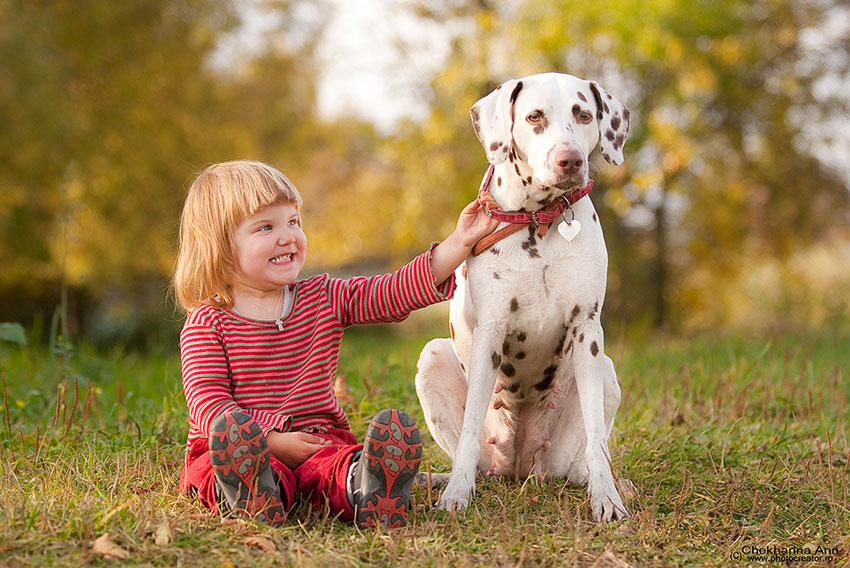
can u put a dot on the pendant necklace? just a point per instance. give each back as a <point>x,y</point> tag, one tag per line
<point>278,310</point>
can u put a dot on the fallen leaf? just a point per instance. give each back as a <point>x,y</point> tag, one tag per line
<point>263,544</point>
<point>162,535</point>
<point>103,545</point>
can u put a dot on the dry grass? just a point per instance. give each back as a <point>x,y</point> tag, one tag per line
<point>731,443</point>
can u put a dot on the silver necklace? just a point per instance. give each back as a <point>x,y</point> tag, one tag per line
<point>278,310</point>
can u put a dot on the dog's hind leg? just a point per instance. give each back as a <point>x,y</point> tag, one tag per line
<point>441,388</point>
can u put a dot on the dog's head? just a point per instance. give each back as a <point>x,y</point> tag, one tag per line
<point>550,123</point>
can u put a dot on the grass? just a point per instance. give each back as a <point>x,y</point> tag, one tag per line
<point>734,445</point>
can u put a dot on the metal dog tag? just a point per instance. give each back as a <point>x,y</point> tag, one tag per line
<point>569,229</point>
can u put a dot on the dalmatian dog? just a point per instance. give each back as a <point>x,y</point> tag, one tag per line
<point>523,386</point>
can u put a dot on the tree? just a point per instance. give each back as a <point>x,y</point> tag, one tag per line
<point>720,163</point>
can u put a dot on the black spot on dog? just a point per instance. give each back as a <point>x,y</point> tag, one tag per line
<point>514,304</point>
<point>494,251</point>
<point>521,336</point>
<point>561,342</point>
<point>524,183</point>
<point>594,349</point>
<point>516,91</point>
<point>576,110</point>
<point>506,347</point>
<point>618,143</point>
<point>548,377</point>
<point>496,359</point>
<point>581,96</point>
<point>507,369</point>
<point>462,367</point>
<point>581,338</point>
<point>516,167</point>
<point>520,355</point>
<point>495,146</point>
<point>594,310</point>
<point>530,244</point>
<point>574,313</point>
<point>496,276</point>
<point>499,181</point>
<point>569,347</point>
<point>594,217</point>
<point>610,135</point>
<point>512,387</point>
<point>615,122</point>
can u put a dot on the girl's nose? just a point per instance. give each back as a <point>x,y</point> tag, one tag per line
<point>286,236</point>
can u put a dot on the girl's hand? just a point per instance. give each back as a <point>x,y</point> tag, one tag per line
<point>472,226</point>
<point>293,448</point>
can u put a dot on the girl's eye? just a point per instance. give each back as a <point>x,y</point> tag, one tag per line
<point>265,228</point>
<point>292,222</point>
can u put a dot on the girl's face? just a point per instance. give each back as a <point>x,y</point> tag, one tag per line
<point>270,249</point>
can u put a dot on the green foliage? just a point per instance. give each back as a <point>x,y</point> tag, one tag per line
<point>108,108</point>
<point>13,333</point>
<point>731,442</point>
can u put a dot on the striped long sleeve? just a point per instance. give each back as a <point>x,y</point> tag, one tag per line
<point>284,379</point>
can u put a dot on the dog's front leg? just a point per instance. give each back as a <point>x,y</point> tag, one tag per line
<point>590,369</point>
<point>483,365</point>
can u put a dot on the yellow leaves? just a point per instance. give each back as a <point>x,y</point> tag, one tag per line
<point>617,201</point>
<point>697,80</point>
<point>729,50</point>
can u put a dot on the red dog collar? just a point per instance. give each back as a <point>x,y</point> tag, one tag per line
<point>520,219</point>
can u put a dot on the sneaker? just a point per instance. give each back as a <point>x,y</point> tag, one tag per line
<point>391,455</point>
<point>242,466</point>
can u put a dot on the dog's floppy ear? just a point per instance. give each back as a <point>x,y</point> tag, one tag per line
<point>492,119</point>
<point>613,118</point>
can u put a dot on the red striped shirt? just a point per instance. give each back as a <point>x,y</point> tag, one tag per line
<point>284,379</point>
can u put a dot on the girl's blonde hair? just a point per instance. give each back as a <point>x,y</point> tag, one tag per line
<point>219,199</point>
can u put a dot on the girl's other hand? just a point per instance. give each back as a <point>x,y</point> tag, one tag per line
<point>293,448</point>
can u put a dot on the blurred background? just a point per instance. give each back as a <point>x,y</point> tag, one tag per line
<point>731,212</point>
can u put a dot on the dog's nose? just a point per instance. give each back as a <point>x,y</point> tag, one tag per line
<point>569,159</point>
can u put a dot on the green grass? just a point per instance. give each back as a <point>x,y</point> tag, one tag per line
<point>731,443</point>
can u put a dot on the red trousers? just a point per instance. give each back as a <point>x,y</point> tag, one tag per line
<point>320,480</point>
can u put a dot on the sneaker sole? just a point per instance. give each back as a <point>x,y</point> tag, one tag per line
<point>241,464</point>
<point>391,453</point>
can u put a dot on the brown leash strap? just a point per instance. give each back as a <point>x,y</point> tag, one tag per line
<point>497,236</point>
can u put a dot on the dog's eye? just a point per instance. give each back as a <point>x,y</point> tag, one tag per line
<point>585,117</point>
<point>534,117</point>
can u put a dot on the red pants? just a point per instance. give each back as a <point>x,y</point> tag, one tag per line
<point>320,480</point>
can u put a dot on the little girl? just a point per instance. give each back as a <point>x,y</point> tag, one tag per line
<point>259,353</point>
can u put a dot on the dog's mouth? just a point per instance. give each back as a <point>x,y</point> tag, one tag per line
<point>565,186</point>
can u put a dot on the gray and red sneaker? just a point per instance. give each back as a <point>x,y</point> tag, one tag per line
<point>391,455</point>
<point>242,466</point>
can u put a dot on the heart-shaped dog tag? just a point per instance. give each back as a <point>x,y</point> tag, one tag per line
<point>570,229</point>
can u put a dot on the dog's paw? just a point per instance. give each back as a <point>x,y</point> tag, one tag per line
<point>434,480</point>
<point>606,504</point>
<point>457,494</point>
